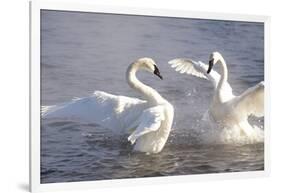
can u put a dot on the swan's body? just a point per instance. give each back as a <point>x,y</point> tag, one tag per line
<point>149,121</point>
<point>227,110</point>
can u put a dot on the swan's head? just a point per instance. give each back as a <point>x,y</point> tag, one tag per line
<point>149,65</point>
<point>214,58</point>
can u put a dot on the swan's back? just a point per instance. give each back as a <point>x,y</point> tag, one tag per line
<point>109,111</point>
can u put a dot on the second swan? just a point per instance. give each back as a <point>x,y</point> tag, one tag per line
<point>227,110</point>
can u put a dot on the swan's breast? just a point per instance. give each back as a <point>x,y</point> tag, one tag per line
<point>154,142</point>
<point>225,113</point>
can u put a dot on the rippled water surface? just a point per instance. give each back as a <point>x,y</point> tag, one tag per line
<point>84,52</point>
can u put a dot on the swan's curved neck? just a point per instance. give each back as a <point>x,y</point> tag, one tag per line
<point>151,95</point>
<point>224,77</point>
<point>224,72</point>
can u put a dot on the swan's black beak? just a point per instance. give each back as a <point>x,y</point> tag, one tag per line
<point>157,72</point>
<point>211,64</point>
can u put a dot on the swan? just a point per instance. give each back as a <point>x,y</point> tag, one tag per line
<point>226,109</point>
<point>148,120</point>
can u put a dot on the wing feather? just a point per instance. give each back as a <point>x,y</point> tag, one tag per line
<point>109,111</point>
<point>251,102</point>
<point>198,69</point>
<point>187,66</point>
<point>149,121</point>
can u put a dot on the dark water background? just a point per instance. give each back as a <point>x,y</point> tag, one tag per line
<point>84,52</point>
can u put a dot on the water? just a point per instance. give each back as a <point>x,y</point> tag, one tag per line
<point>84,52</point>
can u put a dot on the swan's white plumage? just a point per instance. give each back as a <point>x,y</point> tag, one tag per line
<point>227,110</point>
<point>188,66</point>
<point>148,121</point>
<point>110,111</point>
<point>251,102</point>
<point>199,69</point>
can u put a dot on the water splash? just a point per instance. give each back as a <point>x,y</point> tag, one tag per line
<point>234,134</point>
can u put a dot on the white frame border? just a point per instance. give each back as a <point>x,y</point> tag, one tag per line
<point>34,145</point>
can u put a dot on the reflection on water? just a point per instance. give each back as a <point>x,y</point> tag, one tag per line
<point>83,52</point>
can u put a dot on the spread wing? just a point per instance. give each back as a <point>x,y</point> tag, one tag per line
<point>109,111</point>
<point>149,121</point>
<point>198,69</point>
<point>251,102</point>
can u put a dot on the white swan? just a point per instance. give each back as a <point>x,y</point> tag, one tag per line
<point>226,109</point>
<point>149,120</point>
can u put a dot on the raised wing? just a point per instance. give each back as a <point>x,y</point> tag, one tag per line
<point>109,111</point>
<point>198,69</point>
<point>251,102</point>
<point>188,66</point>
<point>149,121</point>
